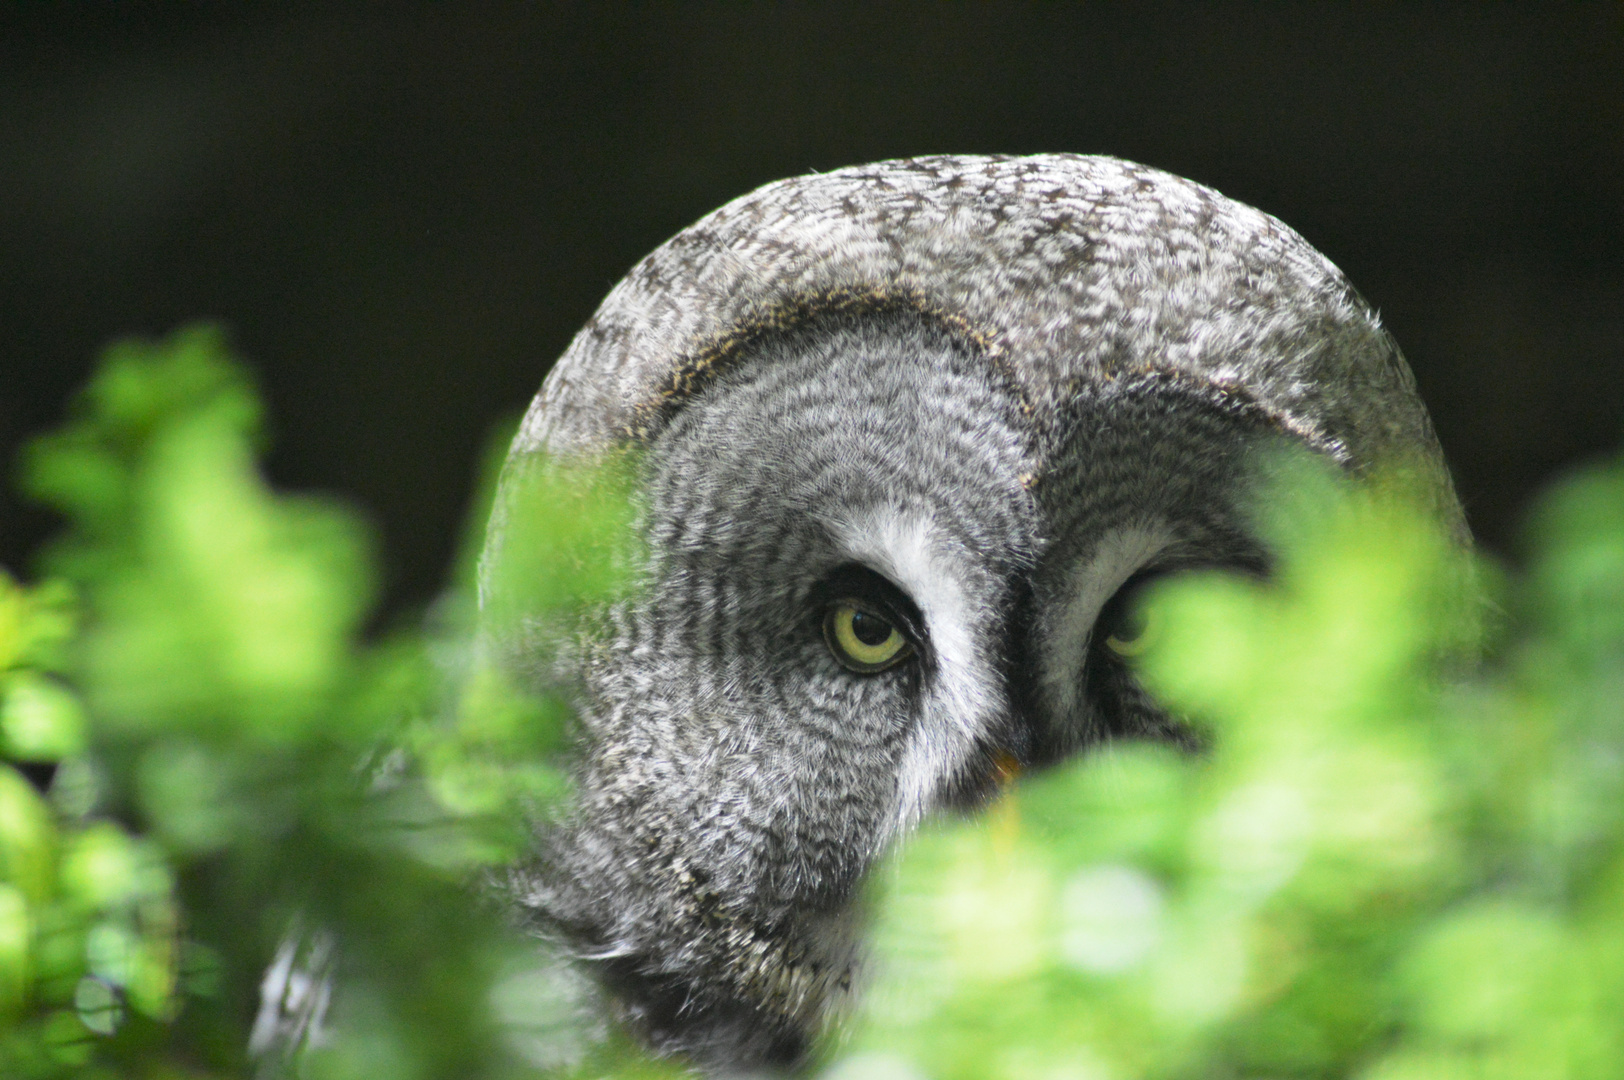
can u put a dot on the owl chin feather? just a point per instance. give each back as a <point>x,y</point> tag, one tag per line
<point>783,998</point>
<point>975,399</point>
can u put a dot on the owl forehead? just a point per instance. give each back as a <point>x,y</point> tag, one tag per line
<point>1068,266</point>
<point>1054,275</point>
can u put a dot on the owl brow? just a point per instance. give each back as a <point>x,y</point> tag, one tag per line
<point>858,582</point>
<point>714,357</point>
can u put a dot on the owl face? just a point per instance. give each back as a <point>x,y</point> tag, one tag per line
<point>915,438</point>
<point>871,592</point>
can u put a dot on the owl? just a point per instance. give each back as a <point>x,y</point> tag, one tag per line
<point>910,436</point>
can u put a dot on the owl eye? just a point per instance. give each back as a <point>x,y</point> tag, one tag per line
<point>862,639</point>
<point>1127,626</point>
<point>1132,635</point>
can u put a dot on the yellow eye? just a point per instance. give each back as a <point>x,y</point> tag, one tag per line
<point>1134,632</point>
<point>862,640</point>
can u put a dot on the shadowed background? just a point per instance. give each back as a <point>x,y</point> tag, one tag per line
<point>402,214</point>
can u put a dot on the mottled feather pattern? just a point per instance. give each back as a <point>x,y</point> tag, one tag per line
<point>981,397</point>
<point>738,781</point>
<point>1069,264</point>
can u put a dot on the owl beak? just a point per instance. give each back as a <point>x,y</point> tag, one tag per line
<point>1006,769</point>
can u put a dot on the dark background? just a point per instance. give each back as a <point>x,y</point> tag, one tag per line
<point>403,213</point>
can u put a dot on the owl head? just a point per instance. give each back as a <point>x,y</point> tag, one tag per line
<point>910,437</point>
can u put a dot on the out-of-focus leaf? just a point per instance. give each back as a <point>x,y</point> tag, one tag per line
<point>245,771</point>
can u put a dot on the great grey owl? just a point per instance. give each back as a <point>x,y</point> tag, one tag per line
<point>910,434</point>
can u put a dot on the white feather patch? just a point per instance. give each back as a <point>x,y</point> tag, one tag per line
<point>965,697</point>
<point>1090,582</point>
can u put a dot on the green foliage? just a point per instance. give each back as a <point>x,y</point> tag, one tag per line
<point>237,769</point>
<point>1373,872</point>
<point>1394,861</point>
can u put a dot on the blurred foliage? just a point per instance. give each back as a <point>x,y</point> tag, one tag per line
<point>1394,862</point>
<point>238,777</point>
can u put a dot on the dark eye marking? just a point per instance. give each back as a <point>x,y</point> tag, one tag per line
<point>869,624</point>
<point>1124,627</point>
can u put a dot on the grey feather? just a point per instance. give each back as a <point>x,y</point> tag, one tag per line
<point>980,395</point>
